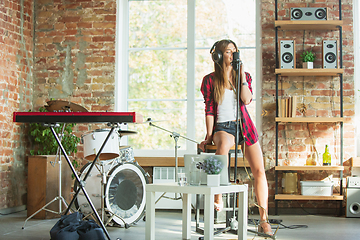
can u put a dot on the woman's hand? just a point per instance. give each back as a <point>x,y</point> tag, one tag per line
<point>205,142</point>
<point>242,71</point>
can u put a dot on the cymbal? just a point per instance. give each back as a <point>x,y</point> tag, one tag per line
<point>126,133</point>
<point>64,106</point>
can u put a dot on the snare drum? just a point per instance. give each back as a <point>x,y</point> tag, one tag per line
<point>94,140</point>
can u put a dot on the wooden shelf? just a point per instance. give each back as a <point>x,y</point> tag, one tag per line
<point>309,72</point>
<point>309,168</point>
<point>309,119</point>
<point>170,162</point>
<point>303,197</point>
<point>308,25</point>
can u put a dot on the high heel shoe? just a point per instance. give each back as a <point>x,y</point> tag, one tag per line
<point>262,230</point>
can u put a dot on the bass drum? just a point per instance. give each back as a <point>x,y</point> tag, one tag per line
<point>125,193</point>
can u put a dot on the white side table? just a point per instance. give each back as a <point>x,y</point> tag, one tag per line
<point>209,193</point>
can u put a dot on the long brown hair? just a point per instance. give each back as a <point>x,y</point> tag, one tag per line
<point>220,80</point>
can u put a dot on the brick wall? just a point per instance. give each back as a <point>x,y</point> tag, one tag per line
<point>16,69</point>
<point>318,96</point>
<point>74,54</point>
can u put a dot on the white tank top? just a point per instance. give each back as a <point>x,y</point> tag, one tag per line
<point>227,109</point>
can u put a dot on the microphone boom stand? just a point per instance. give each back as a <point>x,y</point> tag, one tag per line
<point>176,137</point>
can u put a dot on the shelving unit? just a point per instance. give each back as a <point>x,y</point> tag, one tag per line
<point>326,25</point>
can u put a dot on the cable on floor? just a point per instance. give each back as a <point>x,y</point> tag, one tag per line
<point>276,222</point>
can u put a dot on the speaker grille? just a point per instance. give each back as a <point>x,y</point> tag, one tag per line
<point>287,54</point>
<point>308,13</point>
<point>329,54</point>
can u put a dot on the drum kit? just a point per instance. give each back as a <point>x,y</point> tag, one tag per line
<point>116,184</point>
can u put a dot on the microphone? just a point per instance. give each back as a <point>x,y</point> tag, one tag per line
<point>236,60</point>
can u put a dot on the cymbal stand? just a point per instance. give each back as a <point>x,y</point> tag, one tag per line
<point>176,137</point>
<point>59,197</point>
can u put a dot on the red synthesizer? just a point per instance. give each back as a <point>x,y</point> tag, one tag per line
<point>77,117</point>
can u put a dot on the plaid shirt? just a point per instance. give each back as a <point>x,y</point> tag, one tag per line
<point>207,89</point>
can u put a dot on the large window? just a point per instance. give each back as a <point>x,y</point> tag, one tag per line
<point>162,56</point>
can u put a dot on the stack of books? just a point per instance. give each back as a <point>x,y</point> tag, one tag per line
<point>287,106</point>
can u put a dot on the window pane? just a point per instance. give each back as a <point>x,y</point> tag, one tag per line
<point>200,121</point>
<point>216,20</point>
<point>157,74</point>
<point>157,23</point>
<point>149,137</point>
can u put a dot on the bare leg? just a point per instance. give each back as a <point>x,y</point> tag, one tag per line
<point>223,141</point>
<point>254,156</point>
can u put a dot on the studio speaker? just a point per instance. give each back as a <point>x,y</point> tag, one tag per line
<point>353,197</point>
<point>329,54</point>
<point>308,13</point>
<point>287,54</point>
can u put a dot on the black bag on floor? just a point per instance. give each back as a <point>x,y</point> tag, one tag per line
<point>72,227</point>
<point>89,230</point>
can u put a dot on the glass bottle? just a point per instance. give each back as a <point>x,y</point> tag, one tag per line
<point>326,157</point>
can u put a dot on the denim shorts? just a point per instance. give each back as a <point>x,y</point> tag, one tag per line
<point>229,127</point>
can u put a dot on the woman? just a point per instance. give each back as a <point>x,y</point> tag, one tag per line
<point>218,89</point>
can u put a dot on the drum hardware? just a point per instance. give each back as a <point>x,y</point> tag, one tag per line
<point>64,106</point>
<point>126,154</point>
<point>176,137</point>
<point>60,197</point>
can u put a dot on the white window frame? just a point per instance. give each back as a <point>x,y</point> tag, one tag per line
<point>121,73</point>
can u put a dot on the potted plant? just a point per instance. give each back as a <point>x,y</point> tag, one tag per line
<point>308,58</point>
<point>212,167</point>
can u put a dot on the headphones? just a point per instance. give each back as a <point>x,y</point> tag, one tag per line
<point>217,55</point>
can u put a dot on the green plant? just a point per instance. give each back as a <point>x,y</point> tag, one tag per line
<point>212,165</point>
<point>44,142</point>
<point>308,56</point>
